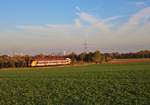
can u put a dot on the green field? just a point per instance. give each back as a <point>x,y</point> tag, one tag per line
<point>124,84</point>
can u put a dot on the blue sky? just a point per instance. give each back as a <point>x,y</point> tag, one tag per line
<point>44,21</point>
<point>61,11</point>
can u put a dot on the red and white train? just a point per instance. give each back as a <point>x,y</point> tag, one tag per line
<point>51,61</point>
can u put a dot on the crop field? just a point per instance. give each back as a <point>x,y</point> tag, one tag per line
<point>105,84</point>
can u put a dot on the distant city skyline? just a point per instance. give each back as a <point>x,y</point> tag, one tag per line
<point>38,26</point>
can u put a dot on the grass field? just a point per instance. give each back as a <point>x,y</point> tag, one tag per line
<point>106,84</point>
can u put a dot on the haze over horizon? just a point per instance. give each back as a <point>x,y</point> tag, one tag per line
<point>42,26</point>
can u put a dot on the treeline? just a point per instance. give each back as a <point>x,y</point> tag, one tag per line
<point>97,57</point>
<point>25,61</point>
<point>15,61</point>
<point>140,54</point>
<point>84,57</point>
<point>91,57</point>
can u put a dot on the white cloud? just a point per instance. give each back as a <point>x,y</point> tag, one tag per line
<point>77,8</point>
<point>86,17</point>
<point>113,18</point>
<point>140,4</point>
<point>135,20</point>
<point>93,21</point>
<point>78,23</point>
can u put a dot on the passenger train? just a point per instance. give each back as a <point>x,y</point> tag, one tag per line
<point>50,61</point>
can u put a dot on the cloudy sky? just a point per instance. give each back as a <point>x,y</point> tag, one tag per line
<point>43,26</point>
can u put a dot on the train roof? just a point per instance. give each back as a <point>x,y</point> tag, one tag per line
<point>50,58</point>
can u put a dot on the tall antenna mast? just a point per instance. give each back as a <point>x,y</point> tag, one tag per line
<point>85,44</point>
